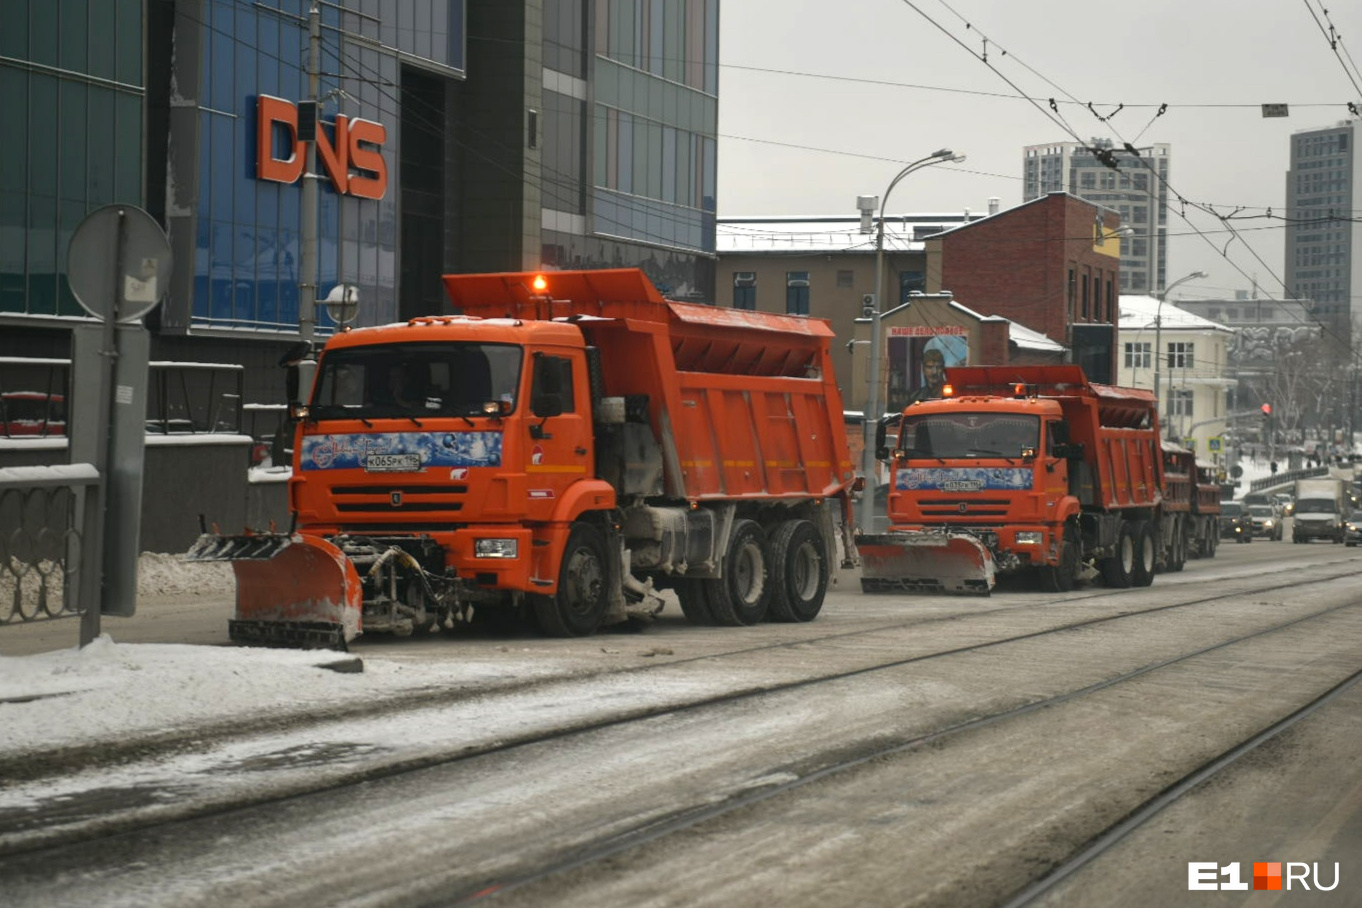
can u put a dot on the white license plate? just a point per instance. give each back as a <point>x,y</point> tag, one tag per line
<point>392,463</point>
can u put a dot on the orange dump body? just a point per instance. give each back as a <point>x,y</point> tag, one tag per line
<point>744,404</point>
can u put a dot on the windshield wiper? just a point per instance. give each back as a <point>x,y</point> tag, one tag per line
<point>988,452</point>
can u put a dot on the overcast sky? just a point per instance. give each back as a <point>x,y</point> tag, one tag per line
<point>821,101</point>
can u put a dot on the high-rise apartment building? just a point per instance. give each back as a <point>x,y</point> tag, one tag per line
<point>1323,244</point>
<point>1137,187</point>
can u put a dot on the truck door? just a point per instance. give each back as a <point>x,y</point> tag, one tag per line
<point>558,431</point>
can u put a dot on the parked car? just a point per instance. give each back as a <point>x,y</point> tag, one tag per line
<point>28,414</point>
<point>1265,521</point>
<point>1352,529</point>
<point>1235,522</point>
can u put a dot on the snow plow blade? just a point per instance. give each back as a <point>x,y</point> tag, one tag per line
<point>925,562</point>
<point>295,591</point>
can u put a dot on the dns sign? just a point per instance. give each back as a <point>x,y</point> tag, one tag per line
<point>352,158</point>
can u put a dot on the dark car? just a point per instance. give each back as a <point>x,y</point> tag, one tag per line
<point>1235,522</point>
<point>1266,521</point>
<point>1352,529</point>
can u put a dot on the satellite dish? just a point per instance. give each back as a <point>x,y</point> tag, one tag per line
<point>342,303</point>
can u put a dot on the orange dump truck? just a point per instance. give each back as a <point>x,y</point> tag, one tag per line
<point>1016,469</point>
<point>567,446</point>
<point>1191,507</point>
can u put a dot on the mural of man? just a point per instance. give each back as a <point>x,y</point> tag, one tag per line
<point>933,376</point>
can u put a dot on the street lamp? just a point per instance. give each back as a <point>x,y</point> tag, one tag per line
<point>873,404</point>
<point>1158,327</point>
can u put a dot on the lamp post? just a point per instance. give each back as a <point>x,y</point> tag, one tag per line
<point>873,405</point>
<point>1158,328</point>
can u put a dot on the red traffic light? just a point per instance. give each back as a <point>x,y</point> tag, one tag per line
<point>1267,409</point>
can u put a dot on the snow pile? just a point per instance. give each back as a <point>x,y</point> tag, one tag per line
<point>162,574</point>
<point>116,692</point>
<point>157,575</point>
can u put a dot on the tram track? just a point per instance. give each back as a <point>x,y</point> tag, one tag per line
<point>692,816</point>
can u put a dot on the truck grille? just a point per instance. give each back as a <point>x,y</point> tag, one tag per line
<point>963,507</point>
<point>397,499</point>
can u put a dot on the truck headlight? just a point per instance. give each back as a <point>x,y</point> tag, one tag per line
<point>1030,537</point>
<point>496,548</point>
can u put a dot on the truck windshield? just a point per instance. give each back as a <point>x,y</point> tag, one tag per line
<point>420,380</point>
<point>955,435</point>
<point>1317,506</point>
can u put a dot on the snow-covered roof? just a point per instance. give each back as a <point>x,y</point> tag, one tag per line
<point>1141,311</point>
<point>1027,339</point>
<point>811,233</point>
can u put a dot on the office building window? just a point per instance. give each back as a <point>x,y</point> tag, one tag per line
<point>744,290</point>
<point>797,292</point>
<point>1180,355</point>
<point>845,278</point>
<point>1137,356</point>
<point>1180,403</point>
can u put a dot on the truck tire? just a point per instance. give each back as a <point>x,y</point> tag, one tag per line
<point>1118,568</point>
<point>742,594</point>
<point>694,602</point>
<point>1061,577</point>
<point>578,607</point>
<point>799,571</point>
<point>1146,553</point>
<point>1180,547</point>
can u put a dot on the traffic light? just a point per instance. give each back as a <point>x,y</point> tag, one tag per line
<point>1267,410</point>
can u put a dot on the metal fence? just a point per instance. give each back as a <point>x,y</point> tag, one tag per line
<point>42,513</point>
<point>1286,479</point>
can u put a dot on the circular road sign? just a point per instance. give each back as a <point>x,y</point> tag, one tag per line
<point>119,263</point>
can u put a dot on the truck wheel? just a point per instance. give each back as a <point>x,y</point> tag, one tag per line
<point>799,571</point>
<point>583,587</point>
<point>1181,545</point>
<point>1118,568</point>
<point>742,595</point>
<point>1061,577</point>
<point>1146,555</point>
<point>694,602</point>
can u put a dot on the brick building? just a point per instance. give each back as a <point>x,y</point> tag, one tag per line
<point>1032,284</point>
<point>1052,264</point>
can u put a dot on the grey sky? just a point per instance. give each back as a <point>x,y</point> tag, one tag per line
<point>793,141</point>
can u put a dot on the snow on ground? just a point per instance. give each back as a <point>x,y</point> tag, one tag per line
<point>110,690</point>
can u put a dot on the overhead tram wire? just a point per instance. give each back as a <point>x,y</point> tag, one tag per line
<point>1235,234</point>
<point>1334,39</point>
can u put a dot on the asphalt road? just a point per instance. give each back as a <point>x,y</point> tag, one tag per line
<point>1065,750</point>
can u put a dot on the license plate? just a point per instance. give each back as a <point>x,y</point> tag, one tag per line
<point>392,463</point>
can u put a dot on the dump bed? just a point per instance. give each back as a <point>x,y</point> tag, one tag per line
<point>744,404</point>
<point>1122,464</point>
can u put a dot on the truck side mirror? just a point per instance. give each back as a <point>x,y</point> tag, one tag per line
<point>881,445</point>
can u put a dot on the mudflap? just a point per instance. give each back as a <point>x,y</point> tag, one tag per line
<point>296,591</point>
<point>926,561</point>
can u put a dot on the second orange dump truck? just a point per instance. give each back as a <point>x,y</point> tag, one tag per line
<point>1025,469</point>
<point>567,446</point>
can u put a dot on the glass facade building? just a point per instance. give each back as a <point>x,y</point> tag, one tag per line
<point>456,136</point>
<point>72,92</point>
<point>232,201</point>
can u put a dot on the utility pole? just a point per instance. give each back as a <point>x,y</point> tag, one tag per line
<point>309,124</point>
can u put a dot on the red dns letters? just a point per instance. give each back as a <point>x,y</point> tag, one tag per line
<point>353,159</point>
